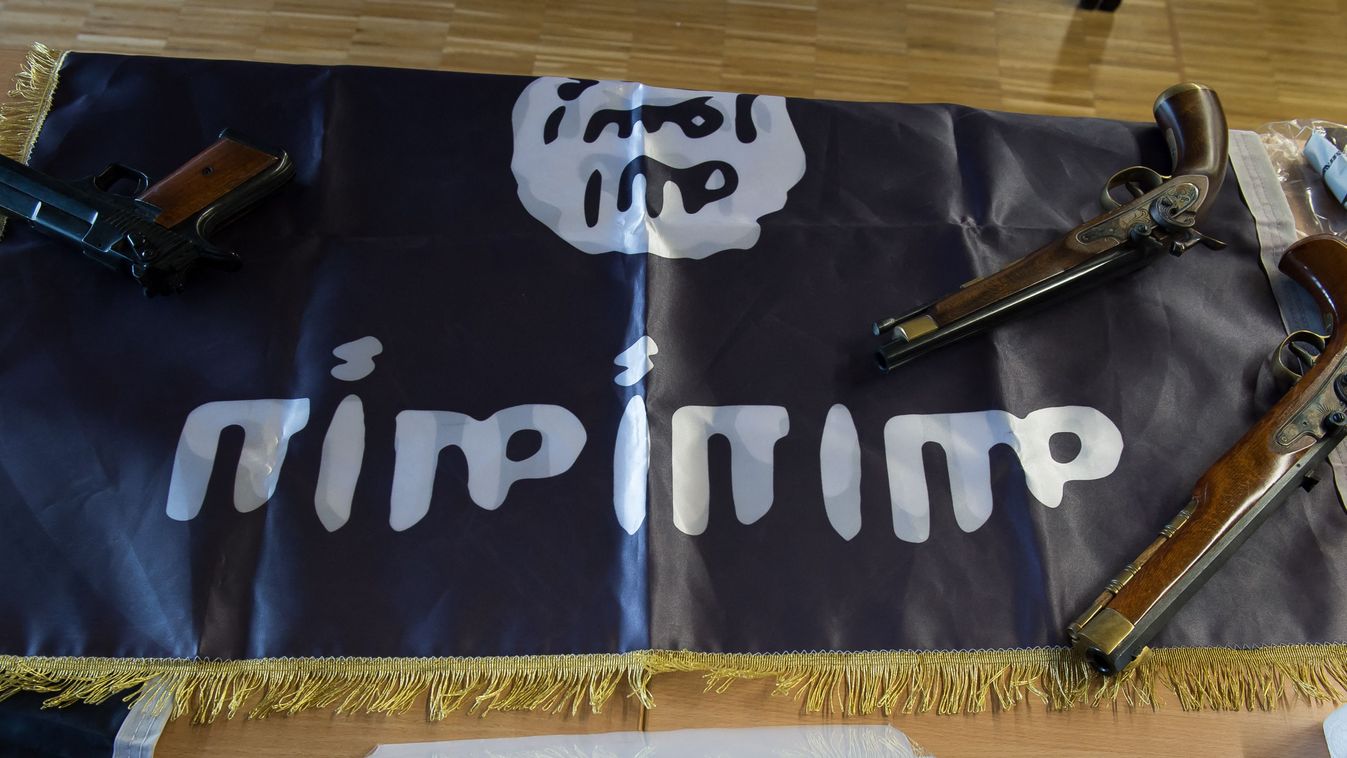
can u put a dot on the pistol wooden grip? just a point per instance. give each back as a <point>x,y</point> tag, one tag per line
<point>1194,126</point>
<point>1319,264</point>
<point>211,175</point>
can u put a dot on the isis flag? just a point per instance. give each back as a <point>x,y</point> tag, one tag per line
<point>530,389</point>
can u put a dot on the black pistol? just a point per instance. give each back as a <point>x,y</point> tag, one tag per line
<point>157,234</point>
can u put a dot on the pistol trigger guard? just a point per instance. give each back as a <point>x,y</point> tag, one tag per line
<point>115,172</point>
<point>1137,180</point>
<point>1297,344</point>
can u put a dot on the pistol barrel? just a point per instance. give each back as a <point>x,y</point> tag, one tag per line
<point>917,334</point>
<point>27,194</point>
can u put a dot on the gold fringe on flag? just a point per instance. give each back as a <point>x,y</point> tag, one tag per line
<point>556,683</point>
<point>946,682</point>
<point>22,114</point>
<point>25,108</point>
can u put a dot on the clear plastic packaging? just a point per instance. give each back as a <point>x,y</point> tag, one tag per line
<point>1313,204</point>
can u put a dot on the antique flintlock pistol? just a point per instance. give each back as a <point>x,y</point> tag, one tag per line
<point>1160,218</point>
<point>159,233</point>
<point>1233,497</point>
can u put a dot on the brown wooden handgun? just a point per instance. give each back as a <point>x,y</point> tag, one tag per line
<point>1255,476</point>
<point>1160,218</point>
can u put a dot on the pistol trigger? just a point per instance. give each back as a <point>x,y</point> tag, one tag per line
<point>1301,353</point>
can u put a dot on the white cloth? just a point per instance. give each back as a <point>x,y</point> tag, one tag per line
<point>832,741</point>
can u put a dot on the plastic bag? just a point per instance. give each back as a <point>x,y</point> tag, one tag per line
<point>1313,204</point>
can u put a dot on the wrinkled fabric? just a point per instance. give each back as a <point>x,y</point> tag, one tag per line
<point>403,223</point>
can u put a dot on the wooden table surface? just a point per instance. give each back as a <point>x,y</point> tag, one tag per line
<point>680,703</point>
<point>1113,68</point>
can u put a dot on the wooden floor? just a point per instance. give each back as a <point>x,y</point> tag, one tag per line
<point>1269,60</point>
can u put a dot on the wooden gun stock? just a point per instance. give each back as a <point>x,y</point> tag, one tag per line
<point>1234,496</point>
<point>1125,237</point>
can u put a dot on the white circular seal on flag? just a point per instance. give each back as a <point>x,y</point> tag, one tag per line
<point>623,167</point>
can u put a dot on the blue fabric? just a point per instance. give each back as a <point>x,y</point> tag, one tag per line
<point>76,731</point>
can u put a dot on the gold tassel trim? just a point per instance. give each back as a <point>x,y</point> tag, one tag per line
<point>556,683</point>
<point>22,115</point>
<point>946,682</point>
<point>25,110</point>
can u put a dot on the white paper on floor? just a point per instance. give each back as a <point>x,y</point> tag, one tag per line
<point>833,741</point>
